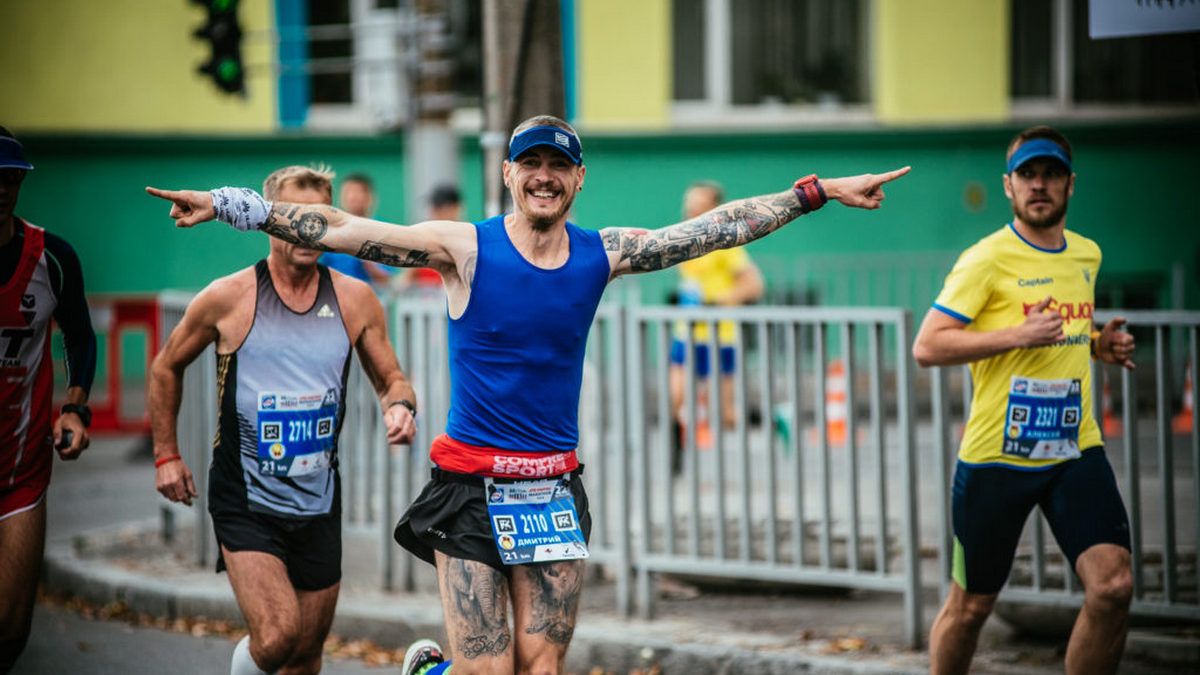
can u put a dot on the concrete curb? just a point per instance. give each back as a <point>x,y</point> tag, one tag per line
<point>608,642</point>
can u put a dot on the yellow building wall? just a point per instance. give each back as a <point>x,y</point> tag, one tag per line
<point>940,62</point>
<point>126,65</point>
<point>624,52</point>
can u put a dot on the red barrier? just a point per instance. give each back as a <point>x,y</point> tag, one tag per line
<point>122,314</point>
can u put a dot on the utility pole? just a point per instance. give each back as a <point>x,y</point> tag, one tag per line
<point>522,77</point>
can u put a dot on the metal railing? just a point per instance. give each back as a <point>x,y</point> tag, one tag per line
<point>817,480</point>
<point>779,500</point>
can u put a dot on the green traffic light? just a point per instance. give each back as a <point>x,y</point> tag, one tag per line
<point>228,69</point>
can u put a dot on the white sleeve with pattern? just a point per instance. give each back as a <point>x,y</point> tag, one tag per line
<point>243,208</point>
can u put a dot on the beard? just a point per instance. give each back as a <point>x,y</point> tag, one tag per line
<point>1047,220</point>
<point>542,221</point>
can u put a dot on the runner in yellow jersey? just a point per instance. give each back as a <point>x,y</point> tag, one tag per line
<point>1018,307</point>
<point>726,277</point>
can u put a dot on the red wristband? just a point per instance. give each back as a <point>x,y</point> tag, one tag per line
<point>810,193</point>
<point>166,460</point>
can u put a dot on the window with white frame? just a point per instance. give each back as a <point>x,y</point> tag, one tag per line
<point>367,58</point>
<point>749,53</point>
<point>1056,64</point>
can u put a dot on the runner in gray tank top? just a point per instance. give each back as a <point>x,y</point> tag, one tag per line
<point>283,331</point>
<point>281,407</point>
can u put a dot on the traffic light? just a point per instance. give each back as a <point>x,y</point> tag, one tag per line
<point>223,33</point>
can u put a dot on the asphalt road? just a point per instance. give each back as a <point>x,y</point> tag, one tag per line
<point>110,485</point>
<point>65,642</point>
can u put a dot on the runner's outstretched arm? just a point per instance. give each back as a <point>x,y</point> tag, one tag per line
<point>321,227</point>
<point>737,223</point>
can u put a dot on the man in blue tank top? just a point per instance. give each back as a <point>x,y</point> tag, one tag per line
<point>505,517</point>
<point>283,330</point>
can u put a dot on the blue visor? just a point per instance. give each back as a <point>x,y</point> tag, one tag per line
<point>1038,147</point>
<point>11,155</point>
<point>560,139</point>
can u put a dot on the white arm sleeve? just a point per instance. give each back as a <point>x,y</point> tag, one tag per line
<point>242,208</point>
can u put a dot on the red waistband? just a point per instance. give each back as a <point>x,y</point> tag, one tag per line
<point>459,457</point>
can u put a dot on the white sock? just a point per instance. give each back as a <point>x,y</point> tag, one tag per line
<point>243,663</point>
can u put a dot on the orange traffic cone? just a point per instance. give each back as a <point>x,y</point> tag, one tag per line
<point>836,390</point>
<point>1112,423</point>
<point>1182,423</point>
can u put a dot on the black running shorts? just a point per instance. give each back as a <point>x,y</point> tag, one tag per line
<point>450,515</point>
<point>310,548</point>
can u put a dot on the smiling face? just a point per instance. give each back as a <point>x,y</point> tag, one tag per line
<point>543,182</point>
<point>1040,190</point>
<point>290,253</point>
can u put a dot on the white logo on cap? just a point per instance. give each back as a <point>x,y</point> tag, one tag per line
<point>561,139</point>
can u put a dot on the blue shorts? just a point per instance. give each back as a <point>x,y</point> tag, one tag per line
<point>991,503</point>
<point>728,356</point>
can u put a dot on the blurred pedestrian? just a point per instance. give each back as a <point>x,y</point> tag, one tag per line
<point>357,196</point>
<point>724,278</point>
<point>445,203</point>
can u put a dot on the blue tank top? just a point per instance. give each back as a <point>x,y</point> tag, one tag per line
<point>516,353</point>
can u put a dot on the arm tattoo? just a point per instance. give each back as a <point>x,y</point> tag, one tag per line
<point>734,224</point>
<point>556,590</point>
<point>393,255</point>
<point>468,270</point>
<point>477,607</point>
<point>301,225</point>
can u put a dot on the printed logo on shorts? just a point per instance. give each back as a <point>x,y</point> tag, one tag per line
<point>561,139</point>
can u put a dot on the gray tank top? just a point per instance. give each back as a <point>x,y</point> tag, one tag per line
<point>282,399</point>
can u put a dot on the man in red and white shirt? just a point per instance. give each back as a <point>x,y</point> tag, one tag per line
<point>40,279</point>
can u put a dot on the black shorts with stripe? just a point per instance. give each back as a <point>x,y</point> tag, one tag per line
<point>991,504</point>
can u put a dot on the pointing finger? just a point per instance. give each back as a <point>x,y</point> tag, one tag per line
<point>893,175</point>
<point>172,195</point>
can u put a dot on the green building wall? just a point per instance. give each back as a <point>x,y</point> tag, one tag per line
<point>1133,196</point>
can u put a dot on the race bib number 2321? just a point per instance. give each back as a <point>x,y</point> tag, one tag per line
<point>1042,418</point>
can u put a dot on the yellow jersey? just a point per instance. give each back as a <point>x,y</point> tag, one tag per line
<point>711,276</point>
<point>1031,407</point>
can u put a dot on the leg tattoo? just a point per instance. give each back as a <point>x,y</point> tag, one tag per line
<point>478,607</point>
<point>556,590</point>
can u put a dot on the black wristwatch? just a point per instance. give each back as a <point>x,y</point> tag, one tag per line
<point>407,404</point>
<point>81,409</point>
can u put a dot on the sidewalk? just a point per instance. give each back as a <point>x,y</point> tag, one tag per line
<point>121,557</point>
